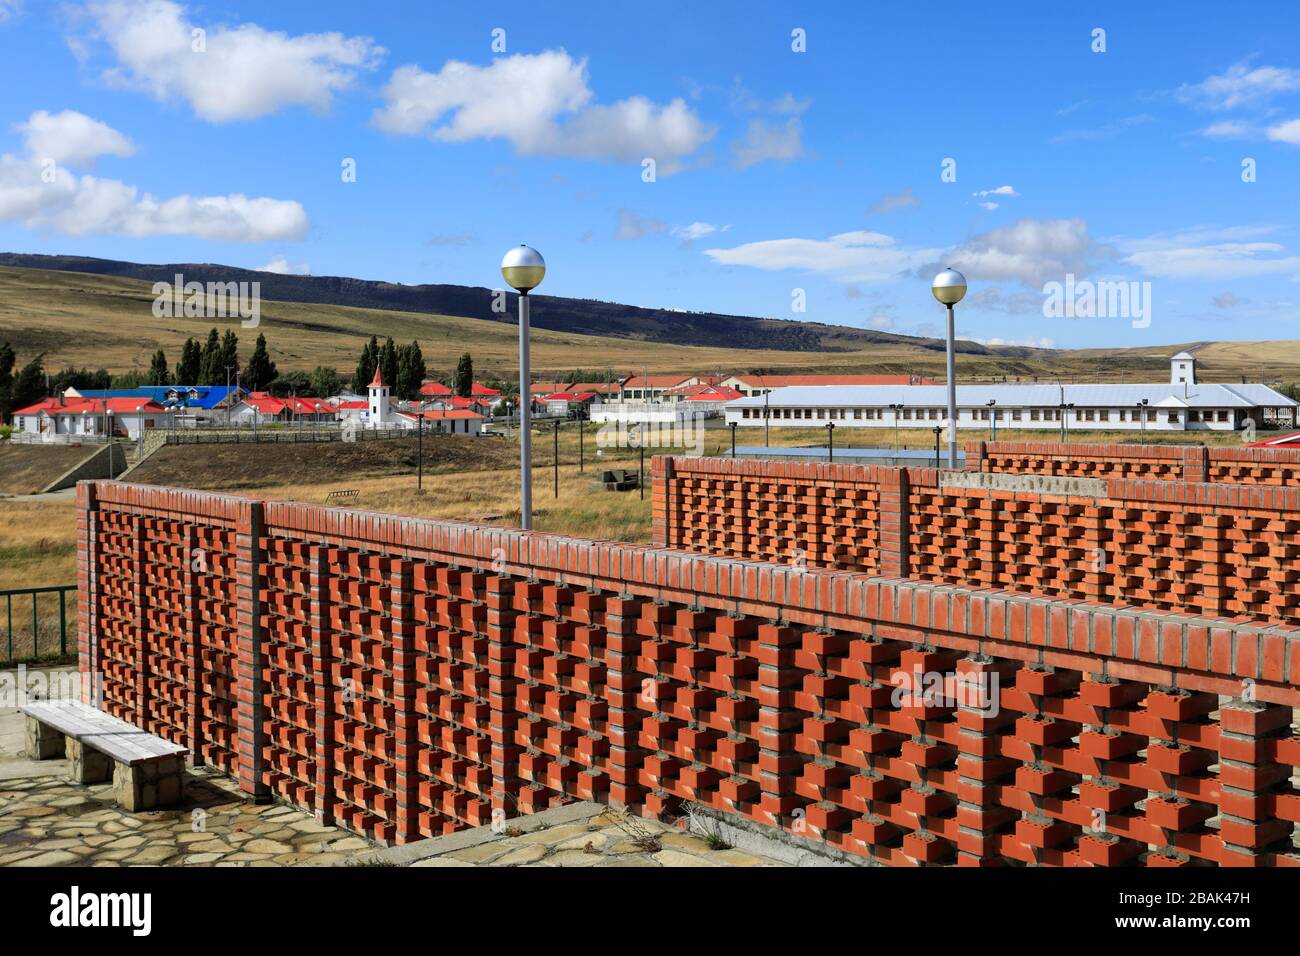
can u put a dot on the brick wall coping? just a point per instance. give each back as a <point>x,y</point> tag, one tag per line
<point>1162,648</point>
<point>1172,453</point>
<point>1136,490</point>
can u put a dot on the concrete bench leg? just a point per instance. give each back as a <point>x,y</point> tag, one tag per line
<point>43,741</point>
<point>159,783</point>
<point>88,764</point>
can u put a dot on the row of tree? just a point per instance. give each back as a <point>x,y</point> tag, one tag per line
<point>403,367</point>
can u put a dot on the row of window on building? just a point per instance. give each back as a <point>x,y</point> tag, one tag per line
<point>1173,416</point>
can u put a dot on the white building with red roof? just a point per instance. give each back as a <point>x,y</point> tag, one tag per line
<point>89,418</point>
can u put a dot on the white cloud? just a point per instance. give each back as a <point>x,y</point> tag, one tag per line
<point>542,105</point>
<point>1288,132</point>
<point>72,138</point>
<point>1227,129</point>
<point>243,72</point>
<point>697,230</point>
<point>990,206</point>
<point>1033,342</point>
<point>1226,300</point>
<point>880,322</point>
<point>1206,253</point>
<point>282,266</point>
<point>1103,130</point>
<point>633,225</point>
<point>1030,251</point>
<point>854,256</point>
<point>998,191</point>
<point>10,9</point>
<point>894,201</point>
<point>765,141</point>
<point>49,197</point>
<point>1240,85</point>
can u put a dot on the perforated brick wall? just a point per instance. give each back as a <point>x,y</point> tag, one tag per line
<point>1204,548</point>
<point>408,677</point>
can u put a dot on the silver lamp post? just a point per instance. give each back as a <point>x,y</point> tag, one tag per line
<point>523,269</point>
<point>949,287</point>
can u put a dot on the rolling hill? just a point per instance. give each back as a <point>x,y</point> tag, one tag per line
<point>98,313</point>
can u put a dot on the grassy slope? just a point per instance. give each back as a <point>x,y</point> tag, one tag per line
<point>26,469</point>
<point>82,319</point>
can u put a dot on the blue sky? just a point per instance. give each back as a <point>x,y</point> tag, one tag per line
<point>781,177</point>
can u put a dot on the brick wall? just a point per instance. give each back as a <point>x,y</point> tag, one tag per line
<point>408,677</point>
<point>1194,463</point>
<point>1216,549</point>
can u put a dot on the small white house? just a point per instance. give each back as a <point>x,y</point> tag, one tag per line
<point>66,419</point>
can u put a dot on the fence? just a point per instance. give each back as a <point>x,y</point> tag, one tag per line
<point>48,634</point>
<point>408,677</point>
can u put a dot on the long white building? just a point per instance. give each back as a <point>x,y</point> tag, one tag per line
<point>1182,404</point>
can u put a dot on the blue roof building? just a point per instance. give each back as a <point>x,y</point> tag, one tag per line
<point>173,396</point>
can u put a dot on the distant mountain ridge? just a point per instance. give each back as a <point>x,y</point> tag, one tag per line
<point>587,316</point>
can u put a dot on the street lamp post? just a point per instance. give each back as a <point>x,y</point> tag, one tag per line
<point>419,453</point>
<point>523,269</point>
<point>108,419</point>
<point>937,430</point>
<point>1142,410</point>
<point>733,439</point>
<point>992,403</point>
<point>898,410</point>
<point>949,287</point>
<point>830,441</point>
<point>1065,420</point>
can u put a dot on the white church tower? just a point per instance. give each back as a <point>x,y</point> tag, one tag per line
<point>1182,369</point>
<point>378,417</point>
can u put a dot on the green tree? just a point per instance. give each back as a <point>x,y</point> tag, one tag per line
<point>229,358</point>
<point>132,379</point>
<point>261,371</point>
<point>463,384</point>
<point>325,381</point>
<point>7,359</point>
<point>388,362</point>
<point>158,374</point>
<point>292,383</point>
<point>410,370</point>
<point>190,368</point>
<point>210,370</point>
<point>366,366</point>
<point>29,384</point>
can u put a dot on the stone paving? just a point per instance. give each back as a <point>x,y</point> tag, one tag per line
<point>582,834</point>
<point>46,820</point>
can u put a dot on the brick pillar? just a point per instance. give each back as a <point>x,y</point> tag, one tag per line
<point>895,524</point>
<point>500,626</point>
<point>1196,464</point>
<point>778,723</point>
<point>139,625</point>
<point>250,734</point>
<point>976,454</point>
<point>663,492</point>
<point>190,583</point>
<point>87,590</point>
<point>1248,780</point>
<point>402,624</point>
<point>982,723</point>
<point>623,684</point>
<point>319,562</point>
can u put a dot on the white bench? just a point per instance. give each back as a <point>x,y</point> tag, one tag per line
<point>146,770</point>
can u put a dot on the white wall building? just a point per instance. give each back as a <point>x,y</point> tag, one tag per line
<point>1182,405</point>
